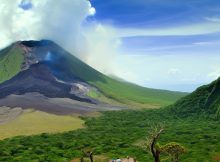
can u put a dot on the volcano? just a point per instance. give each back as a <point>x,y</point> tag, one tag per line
<point>45,74</point>
<point>42,75</point>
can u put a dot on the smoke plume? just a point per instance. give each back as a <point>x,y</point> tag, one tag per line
<point>64,22</point>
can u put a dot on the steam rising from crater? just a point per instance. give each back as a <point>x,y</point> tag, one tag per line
<point>60,21</point>
<point>48,56</point>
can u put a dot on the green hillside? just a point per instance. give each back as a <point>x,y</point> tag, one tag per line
<point>118,90</point>
<point>11,59</point>
<point>205,100</point>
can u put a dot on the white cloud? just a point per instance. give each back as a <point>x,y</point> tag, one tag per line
<point>92,10</point>
<point>102,47</point>
<point>215,73</point>
<point>99,45</point>
<point>174,71</point>
<point>207,43</point>
<point>213,19</point>
<point>194,29</point>
<point>59,21</point>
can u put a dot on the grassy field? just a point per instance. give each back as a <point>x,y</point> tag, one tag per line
<point>36,122</point>
<point>117,134</point>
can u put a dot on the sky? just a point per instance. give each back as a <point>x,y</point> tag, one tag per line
<point>162,44</point>
<point>168,44</point>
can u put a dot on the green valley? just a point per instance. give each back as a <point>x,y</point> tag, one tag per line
<point>117,134</point>
<point>123,133</point>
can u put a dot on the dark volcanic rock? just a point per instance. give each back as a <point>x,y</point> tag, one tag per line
<point>33,43</point>
<point>38,78</point>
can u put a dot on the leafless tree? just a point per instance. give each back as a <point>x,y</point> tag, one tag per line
<point>173,149</point>
<point>152,144</point>
<point>88,153</point>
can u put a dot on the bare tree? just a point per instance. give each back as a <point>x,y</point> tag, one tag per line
<point>81,159</point>
<point>88,153</point>
<point>152,144</point>
<point>174,150</point>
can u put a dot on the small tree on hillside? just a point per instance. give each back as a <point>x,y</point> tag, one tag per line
<point>152,143</point>
<point>88,153</point>
<point>174,150</point>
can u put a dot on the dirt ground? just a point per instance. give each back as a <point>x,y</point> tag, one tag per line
<point>8,114</point>
<point>59,106</point>
<point>126,160</point>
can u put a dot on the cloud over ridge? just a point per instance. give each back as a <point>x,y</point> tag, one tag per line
<point>59,21</point>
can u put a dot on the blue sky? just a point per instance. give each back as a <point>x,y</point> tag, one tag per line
<point>164,44</point>
<point>182,37</point>
<point>26,5</point>
<point>155,13</point>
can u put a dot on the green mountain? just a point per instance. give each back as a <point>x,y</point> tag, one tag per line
<point>19,57</point>
<point>205,100</point>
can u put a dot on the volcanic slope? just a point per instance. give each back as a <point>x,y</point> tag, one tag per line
<point>46,68</point>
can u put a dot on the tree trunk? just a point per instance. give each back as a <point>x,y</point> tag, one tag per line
<point>91,157</point>
<point>155,152</point>
<point>157,156</point>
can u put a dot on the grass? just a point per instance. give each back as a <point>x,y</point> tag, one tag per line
<point>116,134</point>
<point>93,93</point>
<point>11,60</point>
<point>36,122</point>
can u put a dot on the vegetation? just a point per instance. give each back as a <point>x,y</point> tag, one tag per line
<point>88,153</point>
<point>173,149</point>
<point>11,60</point>
<point>204,101</point>
<point>119,134</point>
<point>153,145</point>
<point>192,122</point>
<point>36,122</point>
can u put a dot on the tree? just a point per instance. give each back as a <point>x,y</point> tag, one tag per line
<point>174,150</point>
<point>88,153</point>
<point>152,144</point>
